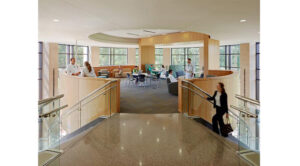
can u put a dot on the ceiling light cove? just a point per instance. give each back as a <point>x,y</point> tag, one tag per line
<point>139,33</point>
<point>55,20</point>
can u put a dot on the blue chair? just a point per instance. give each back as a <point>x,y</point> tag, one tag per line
<point>142,79</point>
<point>179,73</point>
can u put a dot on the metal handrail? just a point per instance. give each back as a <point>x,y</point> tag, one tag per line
<point>96,90</point>
<point>197,87</point>
<point>252,101</point>
<point>249,114</point>
<point>67,113</point>
<point>233,113</point>
<point>44,115</point>
<point>50,99</point>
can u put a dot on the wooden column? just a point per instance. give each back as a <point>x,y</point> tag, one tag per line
<point>147,55</point>
<point>245,69</point>
<point>213,54</point>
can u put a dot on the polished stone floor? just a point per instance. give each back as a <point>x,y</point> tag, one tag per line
<point>149,140</point>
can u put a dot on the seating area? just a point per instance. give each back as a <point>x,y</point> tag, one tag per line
<point>113,71</point>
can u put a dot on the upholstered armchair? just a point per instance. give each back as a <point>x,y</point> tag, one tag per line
<point>172,87</point>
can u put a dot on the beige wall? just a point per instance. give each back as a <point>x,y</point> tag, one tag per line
<point>247,69</point>
<point>213,54</point>
<point>244,69</point>
<point>167,56</point>
<point>95,55</point>
<point>131,56</point>
<point>50,70</point>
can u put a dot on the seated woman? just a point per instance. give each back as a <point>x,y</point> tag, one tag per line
<point>88,71</point>
<point>135,69</point>
<point>171,77</point>
<point>163,72</point>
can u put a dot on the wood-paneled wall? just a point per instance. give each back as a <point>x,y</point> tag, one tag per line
<point>200,107</point>
<point>76,88</point>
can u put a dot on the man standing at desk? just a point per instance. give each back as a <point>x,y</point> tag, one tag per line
<point>73,69</point>
<point>189,70</point>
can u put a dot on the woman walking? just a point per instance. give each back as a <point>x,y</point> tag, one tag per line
<point>220,103</point>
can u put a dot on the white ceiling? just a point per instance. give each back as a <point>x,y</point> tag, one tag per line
<point>80,18</point>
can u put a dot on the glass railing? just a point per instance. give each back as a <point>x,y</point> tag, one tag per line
<point>49,129</point>
<point>249,147</point>
<point>244,120</point>
<point>49,122</point>
<point>100,103</point>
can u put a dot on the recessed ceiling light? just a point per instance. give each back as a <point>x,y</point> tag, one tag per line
<point>243,20</point>
<point>55,20</point>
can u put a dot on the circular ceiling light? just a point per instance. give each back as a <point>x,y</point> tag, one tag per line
<point>55,20</point>
<point>243,20</point>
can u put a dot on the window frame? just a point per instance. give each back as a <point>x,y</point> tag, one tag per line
<point>228,55</point>
<point>185,56</point>
<point>70,53</point>
<point>159,55</point>
<point>257,70</point>
<point>112,56</point>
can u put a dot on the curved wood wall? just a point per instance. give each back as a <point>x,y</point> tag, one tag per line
<point>76,88</point>
<point>205,109</point>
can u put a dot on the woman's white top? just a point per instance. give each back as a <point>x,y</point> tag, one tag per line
<point>72,69</point>
<point>163,73</point>
<point>172,78</point>
<point>189,70</point>
<point>217,98</point>
<point>85,73</point>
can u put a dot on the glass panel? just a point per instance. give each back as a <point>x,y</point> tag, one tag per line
<point>159,51</point>
<point>193,51</point>
<point>104,60</point>
<point>120,51</point>
<point>120,60</point>
<point>177,50</point>
<point>222,61</point>
<point>62,48</point>
<point>235,49</point>
<point>158,59</point>
<point>62,60</point>
<point>79,59</point>
<point>222,50</point>
<point>235,61</point>
<point>104,50</point>
<point>177,59</point>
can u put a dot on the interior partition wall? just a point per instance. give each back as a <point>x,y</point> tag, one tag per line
<point>66,52</point>
<point>230,57</point>
<point>113,56</point>
<point>179,57</point>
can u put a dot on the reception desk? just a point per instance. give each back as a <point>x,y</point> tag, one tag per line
<point>85,101</point>
<point>199,107</point>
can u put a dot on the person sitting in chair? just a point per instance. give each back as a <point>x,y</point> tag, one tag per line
<point>171,77</point>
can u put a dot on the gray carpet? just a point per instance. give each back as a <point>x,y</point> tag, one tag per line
<point>148,100</point>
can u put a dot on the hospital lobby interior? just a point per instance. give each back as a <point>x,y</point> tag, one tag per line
<point>156,64</point>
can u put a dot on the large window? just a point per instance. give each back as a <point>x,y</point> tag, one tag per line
<point>66,52</point>
<point>159,56</point>
<point>113,56</point>
<point>230,57</point>
<point>180,55</point>
<point>257,69</point>
<point>137,57</point>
